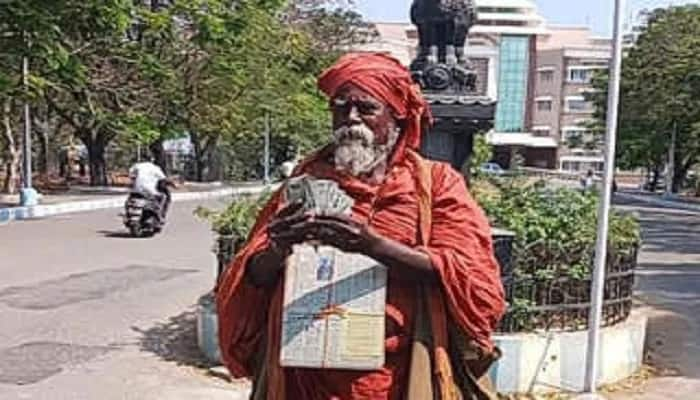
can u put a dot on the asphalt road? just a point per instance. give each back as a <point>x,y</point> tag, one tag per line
<point>668,282</point>
<point>87,313</point>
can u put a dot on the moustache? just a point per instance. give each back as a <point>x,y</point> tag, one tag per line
<point>354,133</point>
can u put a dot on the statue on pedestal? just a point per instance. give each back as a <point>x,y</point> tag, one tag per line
<point>441,64</point>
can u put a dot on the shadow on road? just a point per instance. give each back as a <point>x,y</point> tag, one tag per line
<point>666,344</point>
<point>668,282</point>
<point>174,340</point>
<point>117,234</point>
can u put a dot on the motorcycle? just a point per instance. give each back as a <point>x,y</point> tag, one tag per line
<point>142,215</point>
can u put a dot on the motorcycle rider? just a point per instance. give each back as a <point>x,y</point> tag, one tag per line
<point>149,180</point>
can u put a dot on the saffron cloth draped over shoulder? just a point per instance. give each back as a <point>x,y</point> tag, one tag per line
<point>456,237</point>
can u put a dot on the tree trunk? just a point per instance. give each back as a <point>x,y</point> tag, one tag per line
<point>43,152</point>
<point>12,164</point>
<point>213,167</point>
<point>95,144</point>
<point>681,173</point>
<point>198,157</point>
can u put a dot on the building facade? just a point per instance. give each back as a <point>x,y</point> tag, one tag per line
<point>539,74</point>
<point>567,59</point>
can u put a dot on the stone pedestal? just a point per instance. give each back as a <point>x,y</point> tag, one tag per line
<point>208,328</point>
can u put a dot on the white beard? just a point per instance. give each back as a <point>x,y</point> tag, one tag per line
<point>356,151</point>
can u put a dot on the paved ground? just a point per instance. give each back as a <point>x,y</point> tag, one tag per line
<point>89,314</point>
<point>669,281</point>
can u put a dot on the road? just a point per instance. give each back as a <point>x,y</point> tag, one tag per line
<point>87,313</point>
<point>669,283</point>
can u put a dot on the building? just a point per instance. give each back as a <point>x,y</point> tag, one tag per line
<point>538,73</point>
<point>567,58</point>
<point>502,49</point>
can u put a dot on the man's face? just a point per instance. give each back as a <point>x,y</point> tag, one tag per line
<point>364,130</point>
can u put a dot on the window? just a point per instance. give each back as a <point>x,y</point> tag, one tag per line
<point>580,74</point>
<point>541,131</point>
<point>571,166</point>
<point>546,76</point>
<point>577,104</point>
<point>512,83</point>
<point>544,105</point>
<point>573,136</point>
<point>568,134</point>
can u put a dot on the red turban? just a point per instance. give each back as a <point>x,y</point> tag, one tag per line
<point>386,79</point>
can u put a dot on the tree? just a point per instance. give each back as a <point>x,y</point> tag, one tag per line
<point>659,91</point>
<point>140,72</point>
<point>483,153</point>
<point>334,26</point>
<point>237,67</point>
<point>80,64</point>
<point>10,148</point>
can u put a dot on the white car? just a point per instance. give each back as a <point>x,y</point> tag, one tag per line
<point>491,169</point>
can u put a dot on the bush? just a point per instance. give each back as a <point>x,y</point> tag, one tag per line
<point>483,153</point>
<point>238,218</point>
<point>553,249</point>
<point>555,229</point>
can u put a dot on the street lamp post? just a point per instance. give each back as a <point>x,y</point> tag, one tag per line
<point>28,196</point>
<point>598,280</point>
<point>267,148</point>
<point>671,167</point>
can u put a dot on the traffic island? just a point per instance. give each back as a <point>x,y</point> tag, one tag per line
<point>543,335</point>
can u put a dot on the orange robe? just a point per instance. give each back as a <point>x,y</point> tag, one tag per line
<point>460,249</point>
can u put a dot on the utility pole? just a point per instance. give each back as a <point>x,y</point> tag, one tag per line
<point>267,148</point>
<point>28,196</point>
<point>598,279</point>
<point>671,167</point>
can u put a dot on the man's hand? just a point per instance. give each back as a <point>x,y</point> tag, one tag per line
<point>351,236</point>
<point>172,183</point>
<point>289,227</point>
<point>283,230</point>
<point>343,232</point>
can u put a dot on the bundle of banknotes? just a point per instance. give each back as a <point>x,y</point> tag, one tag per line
<point>320,196</point>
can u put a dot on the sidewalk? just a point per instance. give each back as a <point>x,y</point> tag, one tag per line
<point>85,198</point>
<point>668,283</point>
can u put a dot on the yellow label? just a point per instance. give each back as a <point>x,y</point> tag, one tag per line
<point>363,336</point>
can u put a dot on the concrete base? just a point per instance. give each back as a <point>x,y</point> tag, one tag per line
<point>28,197</point>
<point>208,328</point>
<point>589,396</point>
<point>555,361</point>
<point>531,363</point>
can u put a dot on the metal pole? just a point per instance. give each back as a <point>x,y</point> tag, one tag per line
<point>267,147</point>
<point>27,149</point>
<point>595,315</point>
<point>671,168</point>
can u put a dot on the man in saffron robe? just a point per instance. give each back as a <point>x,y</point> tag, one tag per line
<point>444,294</point>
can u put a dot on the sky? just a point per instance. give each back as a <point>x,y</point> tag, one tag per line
<point>594,13</point>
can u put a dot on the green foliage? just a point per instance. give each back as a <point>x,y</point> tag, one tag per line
<point>238,218</point>
<point>555,228</point>
<point>119,71</point>
<point>555,237</point>
<point>483,152</point>
<point>659,89</point>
